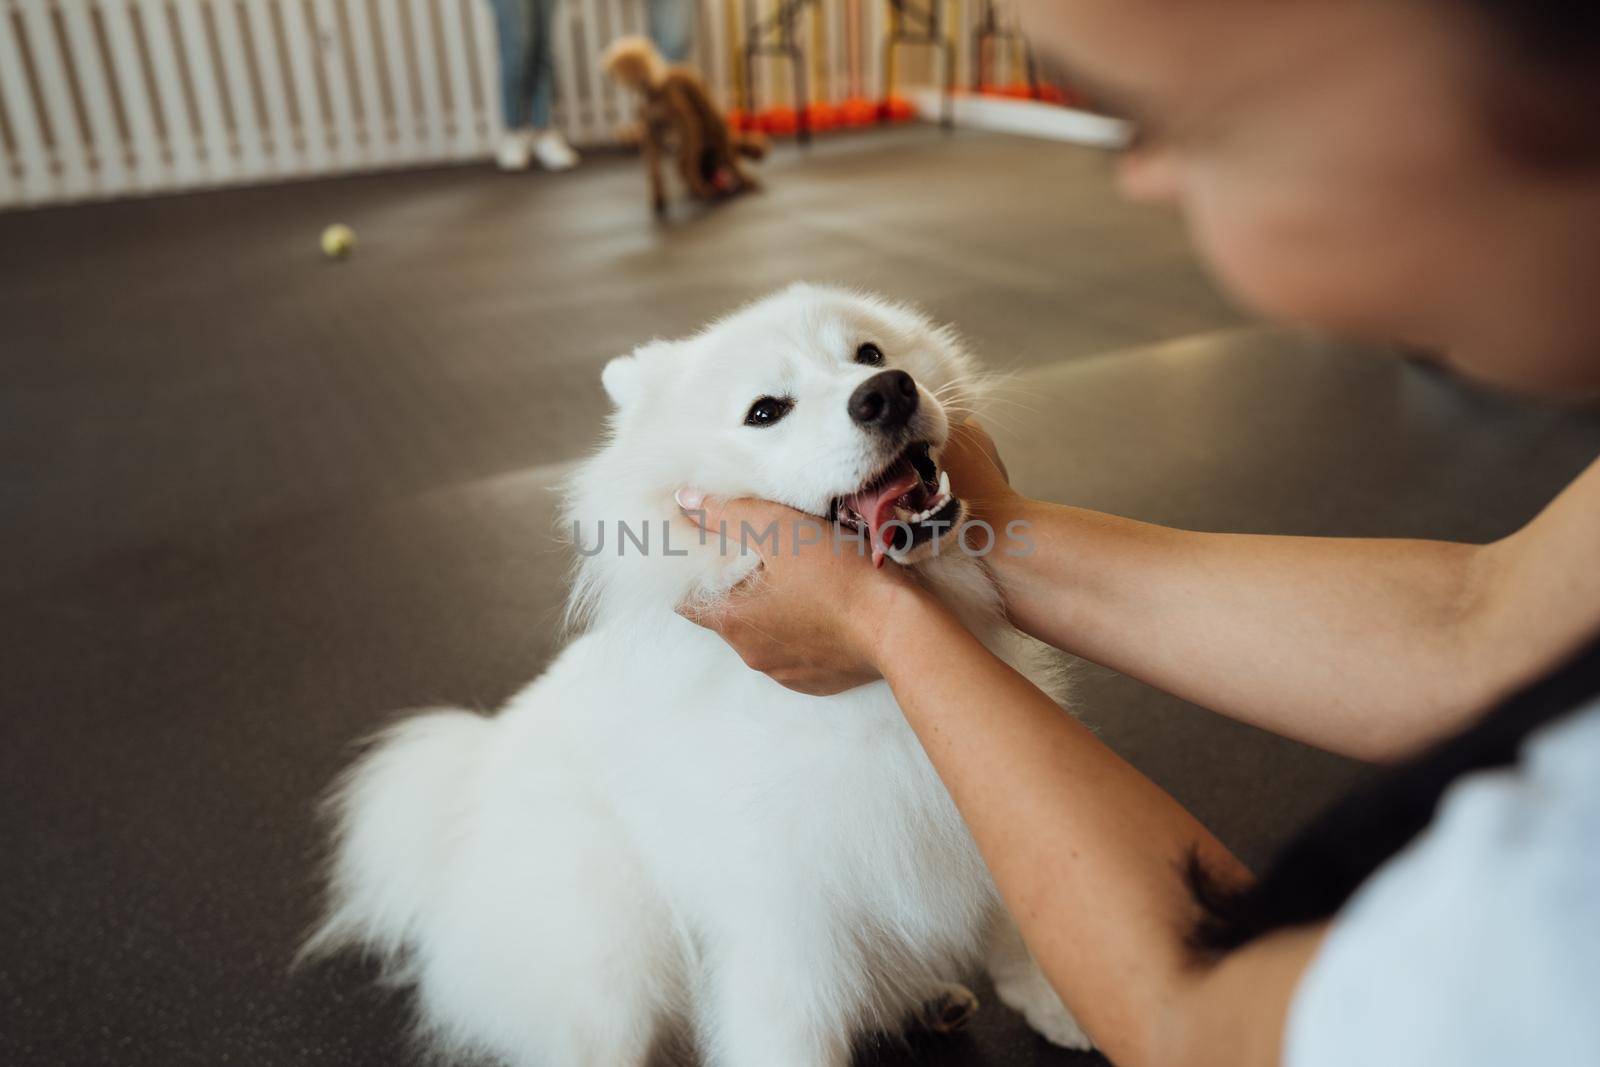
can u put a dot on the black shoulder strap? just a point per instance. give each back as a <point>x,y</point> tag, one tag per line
<point>1327,861</point>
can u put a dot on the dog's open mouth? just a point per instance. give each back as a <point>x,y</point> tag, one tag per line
<point>903,507</point>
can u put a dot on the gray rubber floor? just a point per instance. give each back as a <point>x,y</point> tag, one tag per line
<point>253,502</point>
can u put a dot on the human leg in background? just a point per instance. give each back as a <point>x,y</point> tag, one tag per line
<point>512,19</point>
<point>672,27</point>
<point>550,148</point>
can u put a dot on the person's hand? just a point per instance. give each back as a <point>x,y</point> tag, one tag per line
<point>810,615</point>
<point>978,475</point>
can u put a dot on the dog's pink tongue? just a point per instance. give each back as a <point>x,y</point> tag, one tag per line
<point>876,506</point>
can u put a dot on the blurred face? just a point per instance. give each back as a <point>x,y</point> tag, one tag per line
<point>1332,160</point>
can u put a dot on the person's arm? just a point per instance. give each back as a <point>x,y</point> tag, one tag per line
<point>1370,648</point>
<point>1088,854</point>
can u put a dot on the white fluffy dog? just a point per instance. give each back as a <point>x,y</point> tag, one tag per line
<point>653,838</point>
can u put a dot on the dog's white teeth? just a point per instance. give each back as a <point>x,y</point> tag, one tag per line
<point>912,517</point>
<point>944,483</point>
<point>927,513</point>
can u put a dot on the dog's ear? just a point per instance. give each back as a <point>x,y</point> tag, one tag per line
<point>634,60</point>
<point>621,379</point>
<point>624,376</point>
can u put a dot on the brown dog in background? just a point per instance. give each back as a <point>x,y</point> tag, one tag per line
<point>676,110</point>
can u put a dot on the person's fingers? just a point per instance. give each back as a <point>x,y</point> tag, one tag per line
<point>759,526</point>
<point>970,437</point>
<point>693,612</point>
<point>712,515</point>
<point>692,502</point>
<point>712,614</point>
<point>720,613</point>
<point>753,646</point>
<point>816,682</point>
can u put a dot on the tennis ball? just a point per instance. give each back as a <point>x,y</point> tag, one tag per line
<point>338,241</point>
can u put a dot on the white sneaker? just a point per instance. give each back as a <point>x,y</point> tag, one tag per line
<point>552,151</point>
<point>512,152</point>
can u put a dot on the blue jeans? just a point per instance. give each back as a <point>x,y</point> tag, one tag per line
<point>527,75</point>
<point>672,27</point>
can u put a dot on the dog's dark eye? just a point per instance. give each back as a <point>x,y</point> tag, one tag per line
<point>767,410</point>
<point>870,354</point>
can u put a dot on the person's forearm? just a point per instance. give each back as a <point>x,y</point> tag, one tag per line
<point>1365,647</point>
<point>1088,854</point>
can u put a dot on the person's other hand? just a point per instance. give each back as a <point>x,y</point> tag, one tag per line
<point>810,615</point>
<point>978,475</point>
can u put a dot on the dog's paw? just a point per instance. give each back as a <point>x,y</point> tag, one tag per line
<point>1033,999</point>
<point>950,1009</point>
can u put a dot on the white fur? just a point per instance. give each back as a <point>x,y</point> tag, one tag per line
<point>651,835</point>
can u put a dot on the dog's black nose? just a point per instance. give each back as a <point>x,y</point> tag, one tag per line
<point>885,401</point>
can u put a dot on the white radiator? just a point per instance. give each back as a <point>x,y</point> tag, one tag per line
<point>102,98</point>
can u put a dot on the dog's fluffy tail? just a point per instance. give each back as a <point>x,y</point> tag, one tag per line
<point>508,900</point>
<point>396,815</point>
<point>750,145</point>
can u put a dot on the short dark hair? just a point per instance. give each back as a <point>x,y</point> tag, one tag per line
<point>1544,110</point>
<point>1559,31</point>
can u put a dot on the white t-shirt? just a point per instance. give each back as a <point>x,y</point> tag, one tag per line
<point>1480,942</point>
